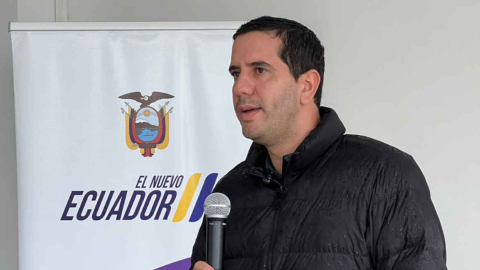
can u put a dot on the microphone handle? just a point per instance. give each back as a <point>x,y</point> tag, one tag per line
<point>215,242</point>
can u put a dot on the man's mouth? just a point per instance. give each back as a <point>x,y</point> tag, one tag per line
<point>247,112</point>
<point>250,110</point>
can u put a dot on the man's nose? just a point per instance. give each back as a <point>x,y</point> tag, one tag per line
<point>243,86</point>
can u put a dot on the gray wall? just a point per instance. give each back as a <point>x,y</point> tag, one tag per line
<point>8,171</point>
<point>404,72</point>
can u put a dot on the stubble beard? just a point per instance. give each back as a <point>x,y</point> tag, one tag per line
<point>278,124</point>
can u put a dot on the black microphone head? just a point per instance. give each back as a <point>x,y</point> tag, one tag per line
<point>217,205</point>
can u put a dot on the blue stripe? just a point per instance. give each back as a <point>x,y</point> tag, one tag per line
<point>206,190</point>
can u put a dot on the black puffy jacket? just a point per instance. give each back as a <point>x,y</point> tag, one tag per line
<point>345,202</point>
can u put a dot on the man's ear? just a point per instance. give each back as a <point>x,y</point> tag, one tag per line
<point>310,81</point>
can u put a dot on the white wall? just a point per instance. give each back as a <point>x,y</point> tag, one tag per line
<point>404,72</point>
<point>36,10</point>
<point>8,170</point>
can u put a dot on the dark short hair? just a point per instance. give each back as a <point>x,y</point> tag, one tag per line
<point>301,49</point>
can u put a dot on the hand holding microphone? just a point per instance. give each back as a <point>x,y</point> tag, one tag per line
<point>216,208</point>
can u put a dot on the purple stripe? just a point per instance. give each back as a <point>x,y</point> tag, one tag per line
<point>180,265</point>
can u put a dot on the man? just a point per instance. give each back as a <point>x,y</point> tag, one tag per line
<point>307,196</point>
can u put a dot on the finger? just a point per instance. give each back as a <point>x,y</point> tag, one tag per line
<point>202,266</point>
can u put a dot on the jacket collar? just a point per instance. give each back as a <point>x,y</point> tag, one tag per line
<point>309,151</point>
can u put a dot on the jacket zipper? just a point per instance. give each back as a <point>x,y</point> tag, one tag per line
<point>268,263</point>
<point>276,207</point>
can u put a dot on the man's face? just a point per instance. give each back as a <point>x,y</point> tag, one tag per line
<point>265,94</point>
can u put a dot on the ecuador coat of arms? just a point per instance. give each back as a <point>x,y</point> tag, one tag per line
<point>146,128</point>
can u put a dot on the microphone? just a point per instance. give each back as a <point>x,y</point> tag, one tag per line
<point>217,208</point>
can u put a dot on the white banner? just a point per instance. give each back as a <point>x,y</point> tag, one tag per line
<point>120,137</point>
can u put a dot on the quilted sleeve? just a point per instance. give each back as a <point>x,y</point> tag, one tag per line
<point>404,231</point>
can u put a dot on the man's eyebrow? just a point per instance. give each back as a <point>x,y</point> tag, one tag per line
<point>253,64</point>
<point>259,64</point>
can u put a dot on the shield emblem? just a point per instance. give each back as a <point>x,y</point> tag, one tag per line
<point>147,128</point>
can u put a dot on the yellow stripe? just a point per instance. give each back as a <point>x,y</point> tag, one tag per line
<point>186,197</point>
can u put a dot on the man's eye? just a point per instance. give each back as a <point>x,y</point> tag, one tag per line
<point>260,70</point>
<point>235,74</point>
